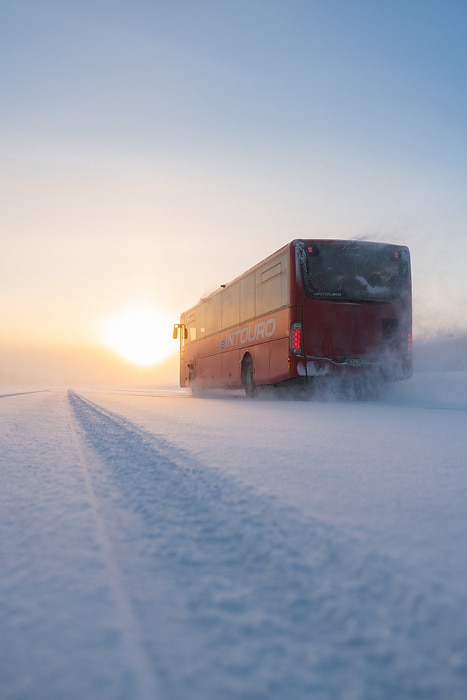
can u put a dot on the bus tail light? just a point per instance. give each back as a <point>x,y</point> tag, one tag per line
<point>409,341</point>
<point>296,338</point>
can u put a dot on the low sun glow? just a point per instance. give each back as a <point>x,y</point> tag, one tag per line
<point>140,334</point>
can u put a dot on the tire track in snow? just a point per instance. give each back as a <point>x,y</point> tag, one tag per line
<point>237,597</point>
<point>24,393</point>
<point>141,683</point>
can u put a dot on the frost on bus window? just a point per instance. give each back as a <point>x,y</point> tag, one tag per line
<point>356,271</point>
<point>373,289</point>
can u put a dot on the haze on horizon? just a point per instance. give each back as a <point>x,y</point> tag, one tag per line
<point>152,151</point>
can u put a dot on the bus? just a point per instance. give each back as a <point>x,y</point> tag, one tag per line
<point>316,308</point>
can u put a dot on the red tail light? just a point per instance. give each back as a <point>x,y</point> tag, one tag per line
<point>409,341</point>
<point>296,338</point>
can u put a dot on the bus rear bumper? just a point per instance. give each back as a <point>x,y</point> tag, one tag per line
<point>384,371</point>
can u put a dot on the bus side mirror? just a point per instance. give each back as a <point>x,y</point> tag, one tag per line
<point>183,331</point>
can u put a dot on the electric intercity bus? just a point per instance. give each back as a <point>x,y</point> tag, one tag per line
<point>313,309</point>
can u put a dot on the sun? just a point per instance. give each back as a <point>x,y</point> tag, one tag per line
<point>140,334</point>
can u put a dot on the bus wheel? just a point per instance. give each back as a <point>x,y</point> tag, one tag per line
<point>248,380</point>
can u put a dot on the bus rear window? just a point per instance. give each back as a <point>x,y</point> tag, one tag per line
<point>356,271</point>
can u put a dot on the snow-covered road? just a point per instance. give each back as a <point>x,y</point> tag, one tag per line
<point>154,545</point>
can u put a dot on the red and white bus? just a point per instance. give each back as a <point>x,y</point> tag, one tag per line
<point>314,308</point>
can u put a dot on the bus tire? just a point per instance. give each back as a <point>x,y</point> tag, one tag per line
<point>248,379</point>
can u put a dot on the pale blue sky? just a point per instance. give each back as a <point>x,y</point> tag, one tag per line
<point>153,150</point>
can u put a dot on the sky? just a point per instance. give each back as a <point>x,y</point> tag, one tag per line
<point>151,151</point>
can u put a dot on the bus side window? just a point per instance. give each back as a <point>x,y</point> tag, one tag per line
<point>230,305</point>
<point>213,310</point>
<point>271,286</point>
<point>247,297</point>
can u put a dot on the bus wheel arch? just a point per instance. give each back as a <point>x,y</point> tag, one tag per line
<point>194,385</point>
<point>248,375</point>
<point>191,373</point>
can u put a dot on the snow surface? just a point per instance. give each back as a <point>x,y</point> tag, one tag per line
<point>154,545</point>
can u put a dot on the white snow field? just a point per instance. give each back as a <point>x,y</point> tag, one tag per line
<point>158,546</point>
